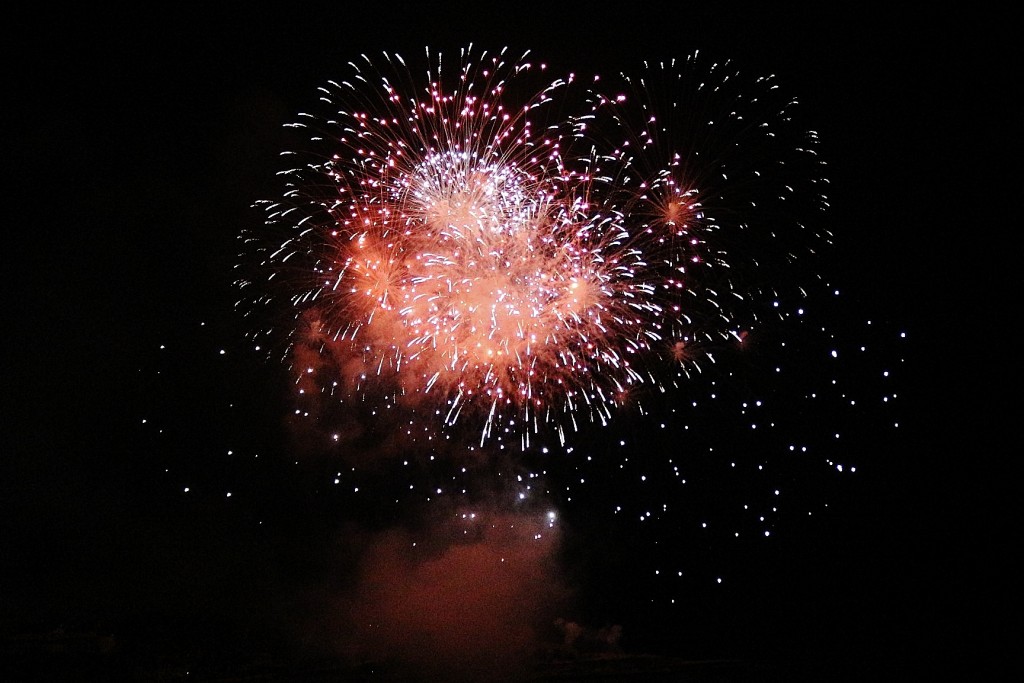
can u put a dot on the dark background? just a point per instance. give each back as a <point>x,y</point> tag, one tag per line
<point>137,140</point>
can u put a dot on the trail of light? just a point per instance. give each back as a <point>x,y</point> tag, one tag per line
<point>475,246</point>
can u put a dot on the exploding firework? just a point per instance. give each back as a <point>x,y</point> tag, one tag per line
<point>481,242</point>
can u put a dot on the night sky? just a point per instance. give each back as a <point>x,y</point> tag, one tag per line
<point>159,494</point>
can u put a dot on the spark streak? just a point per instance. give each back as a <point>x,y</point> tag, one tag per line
<point>525,252</point>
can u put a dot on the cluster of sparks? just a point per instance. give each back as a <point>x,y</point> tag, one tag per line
<point>484,252</point>
<point>527,252</point>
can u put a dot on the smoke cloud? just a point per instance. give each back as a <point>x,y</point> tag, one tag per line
<point>474,597</point>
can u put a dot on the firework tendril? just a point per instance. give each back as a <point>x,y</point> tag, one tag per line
<point>480,241</point>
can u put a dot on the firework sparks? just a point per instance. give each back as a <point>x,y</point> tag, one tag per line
<point>530,252</point>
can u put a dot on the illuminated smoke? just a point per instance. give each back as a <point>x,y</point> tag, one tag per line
<point>472,597</point>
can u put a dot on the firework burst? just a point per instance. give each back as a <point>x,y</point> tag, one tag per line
<point>483,242</point>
